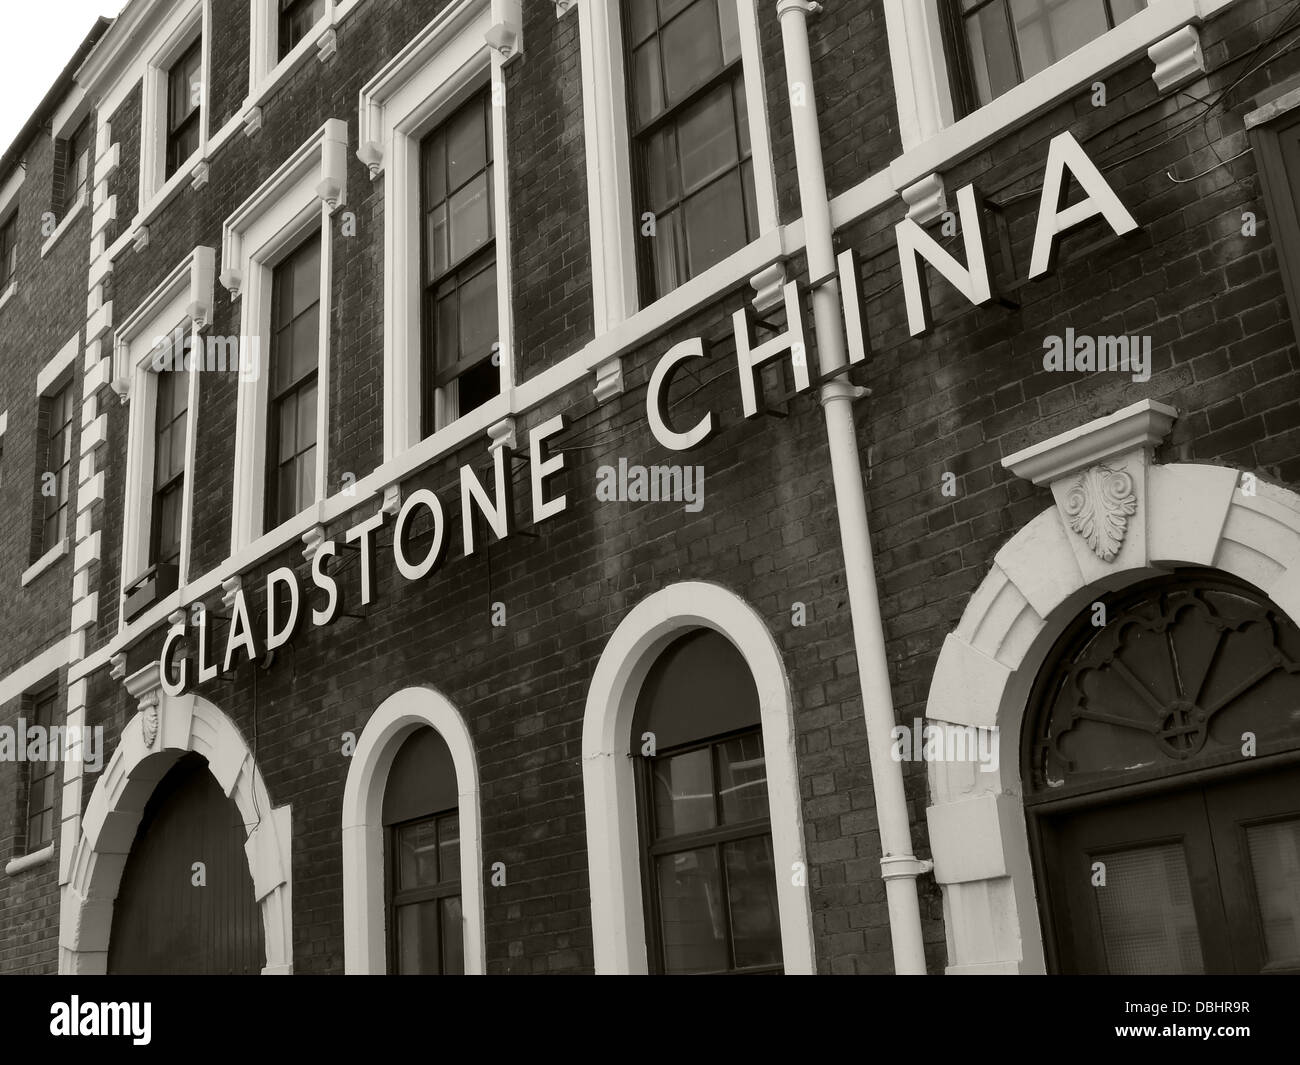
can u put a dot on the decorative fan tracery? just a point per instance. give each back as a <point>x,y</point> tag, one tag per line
<point>1186,670</point>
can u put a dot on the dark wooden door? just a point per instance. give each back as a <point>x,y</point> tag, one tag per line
<point>1201,880</point>
<point>166,922</point>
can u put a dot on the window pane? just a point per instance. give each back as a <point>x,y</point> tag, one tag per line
<point>751,893</point>
<point>742,115</point>
<point>993,62</point>
<point>683,793</point>
<point>466,144</point>
<point>449,847</point>
<point>742,779</point>
<point>306,277</point>
<point>667,252</point>
<point>715,223</point>
<point>435,232</point>
<point>471,218</point>
<point>730,29</point>
<point>1275,861</point>
<point>306,487</point>
<point>286,490</point>
<point>1048,30</point>
<point>447,331</point>
<point>692,49</point>
<point>1126,9</point>
<point>692,919</point>
<point>663,181</point>
<point>475,387</point>
<point>647,89</point>
<point>1148,924</point>
<point>417,938</point>
<point>640,20</point>
<point>434,163</point>
<point>478,313</point>
<point>453,937</point>
<point>667,8</point>
<point>288,439</point>
<point>417,854</point>
<point>306,434</point>
<point>306,345</point>
<point>706,137</point>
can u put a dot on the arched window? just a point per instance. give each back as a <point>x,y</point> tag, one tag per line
<point>421,821</point>
<point>702,803</point>
<point>1161,754</point>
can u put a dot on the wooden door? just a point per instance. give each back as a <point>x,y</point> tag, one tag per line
<point>174,917</point>
<point>1200,880</point>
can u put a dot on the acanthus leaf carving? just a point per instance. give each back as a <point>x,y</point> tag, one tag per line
<point>1098,507</point>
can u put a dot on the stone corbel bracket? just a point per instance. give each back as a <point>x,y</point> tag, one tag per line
<point>191,279</point>
<point>1098,477</point>
<point>926,200</point>
<point>434,41</point>
<point>323,157</point>
<point>507,33</point>
<point>1178,59</point>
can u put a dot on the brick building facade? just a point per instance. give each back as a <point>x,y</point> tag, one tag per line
<point>403,602</point>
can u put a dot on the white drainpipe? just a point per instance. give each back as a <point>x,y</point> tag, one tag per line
<point>899,867</point>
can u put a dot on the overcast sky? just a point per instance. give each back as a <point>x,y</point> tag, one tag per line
<point>37,38</point>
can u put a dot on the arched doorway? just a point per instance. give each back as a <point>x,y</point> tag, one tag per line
<point>1161,763</point>
<point>186,902</point>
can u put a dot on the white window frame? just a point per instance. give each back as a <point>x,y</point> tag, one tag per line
<point>613,221</point>
<point>176,37</point>
<point>183,301</point>
<point>609,783</point>
<point>8,209</point>
<point>54,376</point>
<point>364,864</point>
<point>925,97</point>
<point>438,70</point>
<point>264,67</point>
<point>74,108</point>
<point>295,201</point>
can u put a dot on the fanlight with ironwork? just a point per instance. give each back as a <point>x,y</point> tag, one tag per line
<point>1191,670</point>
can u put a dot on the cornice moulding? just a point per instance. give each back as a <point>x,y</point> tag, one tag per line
<point>1143,424</point>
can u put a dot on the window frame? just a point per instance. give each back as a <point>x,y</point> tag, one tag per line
<point>9,275</point>
<point>171,309</point>
<point>70,196</point>
<point>716,837</point>
<point>294,389</point>
<point>615,225</point>
<point>440,390</point>
<point>176,482</point>
<point>961,65</point>
<point>187,29</point>
<point>178,127</point>
<point>47,696</point>
<point>60,391</point>
<point>301,196</point>
<point>1266,127</point>
<point>285,12</point>
<point>395,898</point>
<point>446,63</point>
<point>730,73</point>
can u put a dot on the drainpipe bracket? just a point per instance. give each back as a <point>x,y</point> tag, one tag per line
<point>904,865</point>
<point>808,7</point>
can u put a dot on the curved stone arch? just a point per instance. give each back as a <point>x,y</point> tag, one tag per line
<point>1194,515</point>
<point>617,910</point>
<point>364,943</point>
<point>165,728</point>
